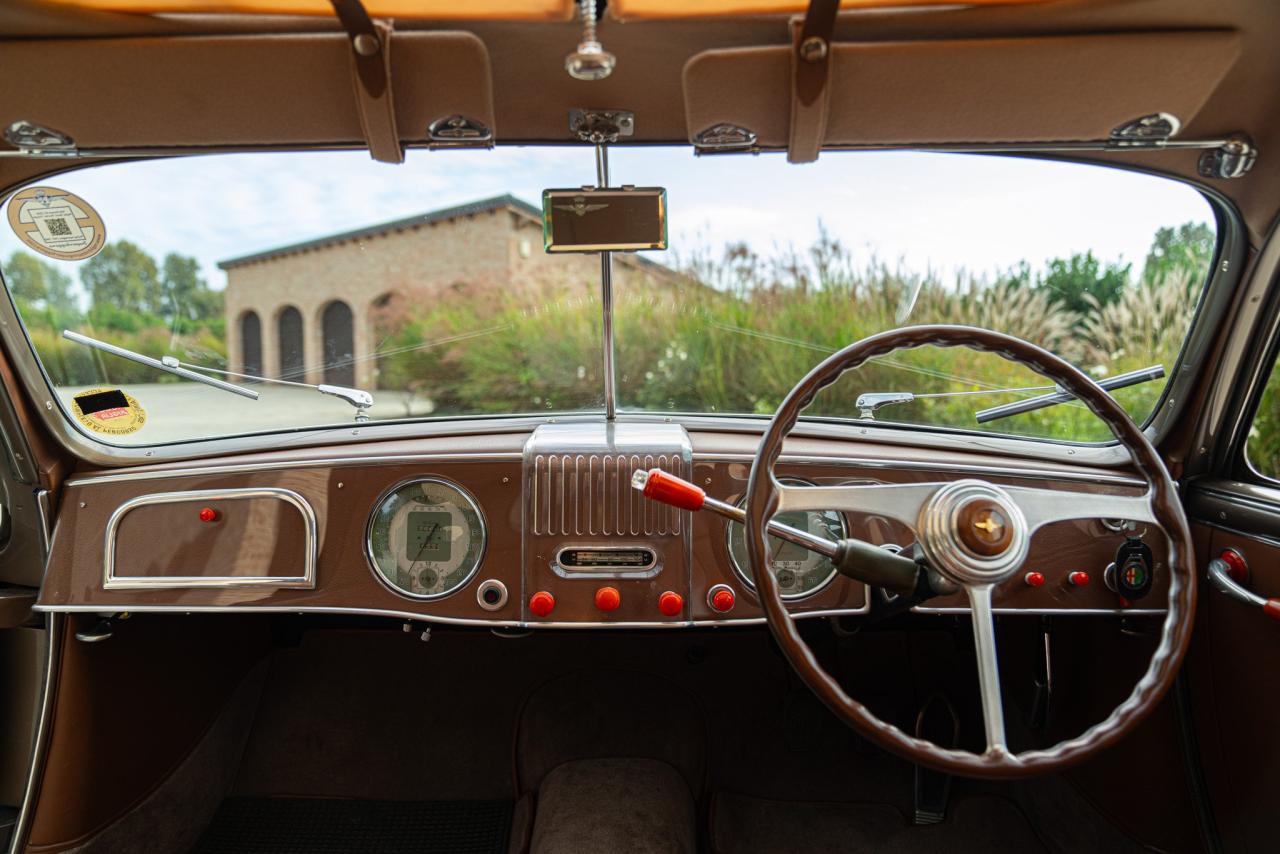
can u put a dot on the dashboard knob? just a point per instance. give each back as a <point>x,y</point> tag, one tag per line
<point>208,514</point>
<point>1078,579</point>
<point>671,603</point>
<point>608,599</point>
<point>721,598</point>
<point>1034,579</point>
<point>542,603</point>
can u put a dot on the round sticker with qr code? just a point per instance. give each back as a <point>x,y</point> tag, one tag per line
<point>108,411</point>
<point>56,223</point>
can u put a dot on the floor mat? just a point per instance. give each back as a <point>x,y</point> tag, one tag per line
<point>745,825</point>
<point>322,826</point>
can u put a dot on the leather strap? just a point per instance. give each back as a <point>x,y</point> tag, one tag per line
<point>371,79</point>
<point>810,72</point>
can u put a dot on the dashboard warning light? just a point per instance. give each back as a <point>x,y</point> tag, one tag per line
<point>208,514</point>
<point>1034,579</point>
<point>542,603</point>
<point>608,599</point>
<point>671,603</point>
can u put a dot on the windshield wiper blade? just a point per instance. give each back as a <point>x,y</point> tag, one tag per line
<point>1142,375</point>
<point>174,368</point>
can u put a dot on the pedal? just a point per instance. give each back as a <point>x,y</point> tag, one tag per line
<point>938,723</point>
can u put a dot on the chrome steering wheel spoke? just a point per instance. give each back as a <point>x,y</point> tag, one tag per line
<point>898,501</point>
<point>1044,506</point>
<point>984,644</point>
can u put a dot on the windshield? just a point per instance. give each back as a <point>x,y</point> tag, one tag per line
<point>237,284</point>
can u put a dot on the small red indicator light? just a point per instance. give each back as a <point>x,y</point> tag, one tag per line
<point>1034,579</point>
<point>671,603</point>
<point>608,599</point>
<point>542,603</point>
<point>1078,579</point>
<point>1237,566</point>
<point>723,600</point>
<point>208,514</point>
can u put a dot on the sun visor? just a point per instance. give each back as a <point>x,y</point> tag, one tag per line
<point>999,90</point>
<point>293,89</point>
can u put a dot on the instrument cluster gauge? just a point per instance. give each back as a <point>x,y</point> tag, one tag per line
<point>426,538</point>
<point>799,572</point>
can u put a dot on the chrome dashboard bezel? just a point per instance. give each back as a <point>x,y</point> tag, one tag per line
<point>111,581</point>
<point>741,574</point>
<point>368,538</point>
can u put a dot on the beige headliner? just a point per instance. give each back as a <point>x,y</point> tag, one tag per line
<point>532,94</point>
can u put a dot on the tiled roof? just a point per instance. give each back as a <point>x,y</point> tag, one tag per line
<point>442,215</point>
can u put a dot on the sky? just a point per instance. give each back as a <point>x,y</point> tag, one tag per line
<point>943,213</point>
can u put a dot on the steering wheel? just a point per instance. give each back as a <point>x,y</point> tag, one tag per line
<point>975,535</point>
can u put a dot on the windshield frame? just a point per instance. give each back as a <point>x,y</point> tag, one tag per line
<point>1227,268</point>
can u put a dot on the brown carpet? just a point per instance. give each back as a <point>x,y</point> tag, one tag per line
<point>745,825</point>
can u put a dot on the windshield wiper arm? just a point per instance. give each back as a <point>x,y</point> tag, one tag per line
<point>357,397</point>
<point>174,368</point>
<point>870,402</point>
<point>1142,375</point>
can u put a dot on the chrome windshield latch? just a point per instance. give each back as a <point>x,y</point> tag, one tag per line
<point>1233,159</point>
<point>459,131</point>
<point>723,138</point>
<point>36,140</point>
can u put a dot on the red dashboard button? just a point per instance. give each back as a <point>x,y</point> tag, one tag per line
<point>1034,579</point>
<point>208,514</point>
<point>1078,579</point>
<point>723,600</point>
<point>542,603</point>
<point>671,603</point>
<point>608,599</point>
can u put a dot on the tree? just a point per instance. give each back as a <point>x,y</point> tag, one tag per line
<point>1183,251</point>
<point>1070,281</point>
<point>38,284</point>
<point>186,295</point>
<point>123,277</point>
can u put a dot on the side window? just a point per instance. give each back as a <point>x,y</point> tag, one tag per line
<point>1263,445</point>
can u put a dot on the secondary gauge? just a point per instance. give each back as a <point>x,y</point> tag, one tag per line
<point>426,538</point>
<point>799,572</point>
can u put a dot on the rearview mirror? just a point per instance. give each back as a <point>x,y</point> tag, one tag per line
<point>586,219</point>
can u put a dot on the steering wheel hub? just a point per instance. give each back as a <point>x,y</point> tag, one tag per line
<point>973,533</point>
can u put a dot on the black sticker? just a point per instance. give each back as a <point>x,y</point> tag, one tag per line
<point>101,400</point>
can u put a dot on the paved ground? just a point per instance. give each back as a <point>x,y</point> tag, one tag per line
<point>187,410</point>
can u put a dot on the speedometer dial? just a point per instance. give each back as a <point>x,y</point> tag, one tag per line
<point>799,572</point>
<point>426,538</point>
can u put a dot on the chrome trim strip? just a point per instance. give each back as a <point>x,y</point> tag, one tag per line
<point>517,456</point>
<point>920,465</point>
<point>368,538</point>
<point>35,771</point>
<point>1050,612</point>
<point>116,608</point>
<point>318,462</point>
<point>111,581</point>
<point>47,521</point>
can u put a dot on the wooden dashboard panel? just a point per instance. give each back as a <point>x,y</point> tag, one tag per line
<point>342,491</point>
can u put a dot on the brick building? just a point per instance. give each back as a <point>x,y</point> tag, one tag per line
<point>305,311</point>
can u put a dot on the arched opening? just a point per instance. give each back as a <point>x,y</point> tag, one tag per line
<point>339,344</point>
<point>289,334</point>
<point>251,343</point>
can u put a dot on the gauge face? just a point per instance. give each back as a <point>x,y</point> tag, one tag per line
<point>799,572</point>
<point>426,538</point>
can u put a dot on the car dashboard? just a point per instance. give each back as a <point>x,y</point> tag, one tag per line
<point>535,529</point>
